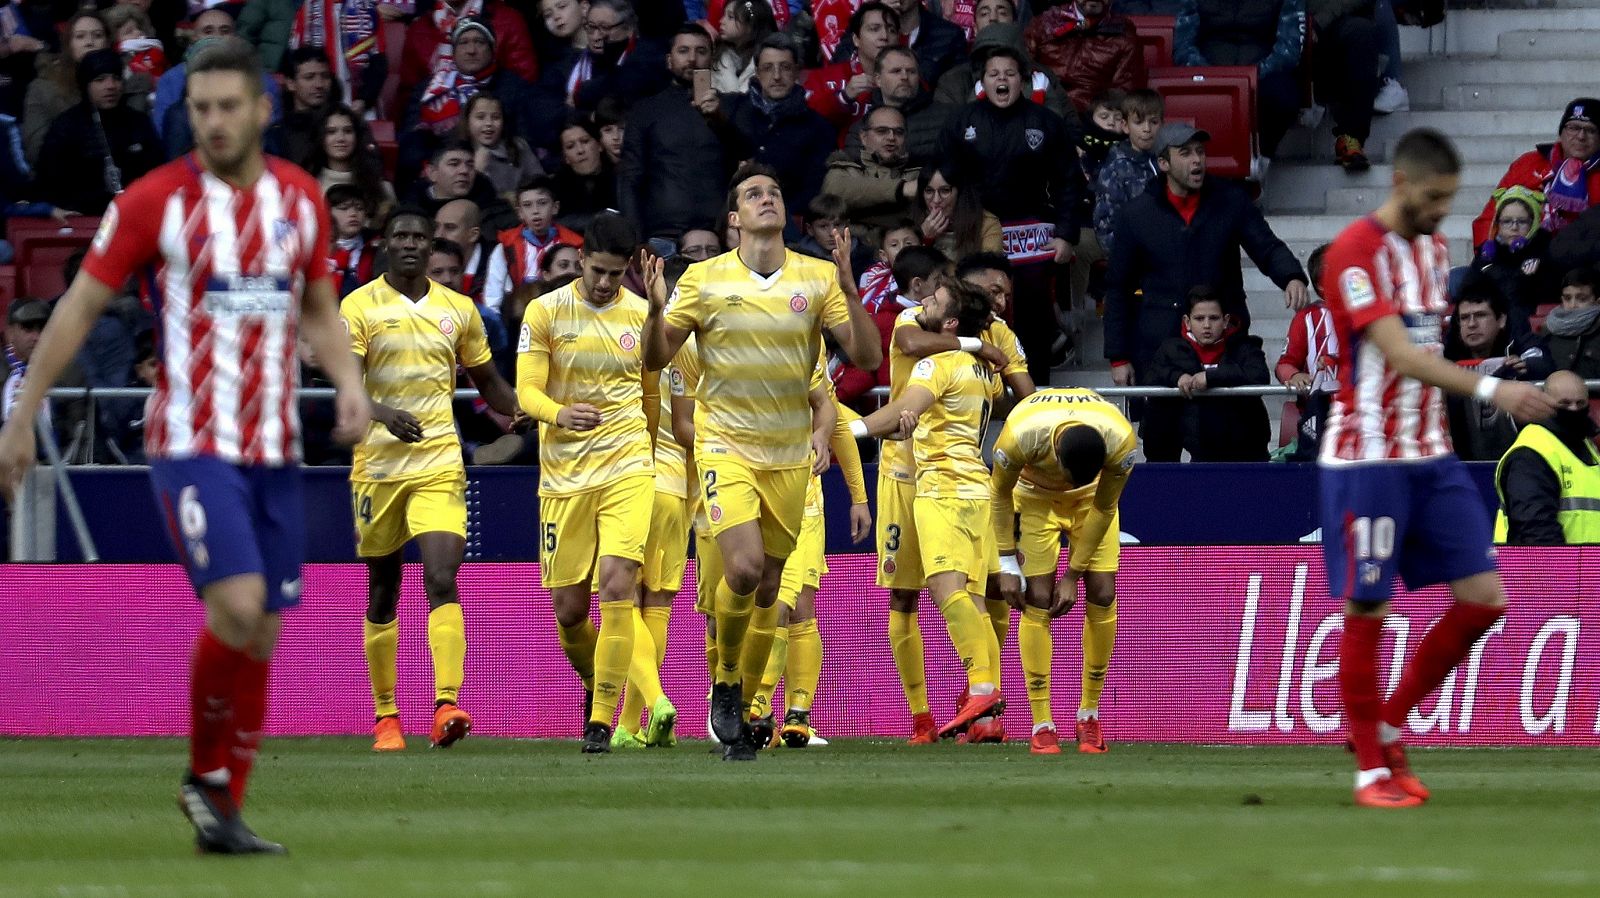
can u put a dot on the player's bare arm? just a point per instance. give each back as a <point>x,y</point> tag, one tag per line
<point>661,340</point>
<point>918,344</point>
<point>858,338</point>
<point>319,316</point>
<point>897,419</point>
<point>1524,401</point>
<point>824,415</point>
<point>69,325</point>
<point>496,392</point>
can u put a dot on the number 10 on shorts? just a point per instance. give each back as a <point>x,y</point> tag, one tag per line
<point>1372,538</point>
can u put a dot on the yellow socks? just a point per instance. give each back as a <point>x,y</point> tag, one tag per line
<point>613,653</point>
<point>656,618</point>
<point>805,665</point>
<point>999,618</point>
<point>578,642</point>
<point>644,676</point>
<point>905,639</point>
<point>777,659</point>
<point>1035,644</point>
<point>757,649</point>
<point>447,642</point>
<point>971,635</point>
<point>711,657</point>
<point>1099,635</point>
<point>733,619</point>
<point>382,643</point>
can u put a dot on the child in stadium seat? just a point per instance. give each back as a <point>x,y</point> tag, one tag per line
<point>1211,353</point>
<point>1310,363</point>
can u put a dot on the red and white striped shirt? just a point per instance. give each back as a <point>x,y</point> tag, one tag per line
<point>1370,273</point>
<point>224,271</point>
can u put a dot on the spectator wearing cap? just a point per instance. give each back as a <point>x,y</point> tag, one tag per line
<point>25,320</point>
<point>436,107</point>
<point>430,41</point>
<point>309,80</point>
<point>1567,172</point>
<point>1021,159</point>
<point>1185,231</point>
<point>1478,338</point>
<point>771,124</point>
<point>99,146</point>
<point>673,173</point>
<point>55,89</point>
<point>963,84</point>
<point>939,45</point>
<point>1268,34</point>
<point>1516,258</point>
<point>878,184</point>
<point>1089,47</point>
<point>842,91</point>
<point>1346,73</point>
<point>899,86</point>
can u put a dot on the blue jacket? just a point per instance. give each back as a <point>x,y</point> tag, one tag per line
<point>1267,34</point>
<point>1125,174</point>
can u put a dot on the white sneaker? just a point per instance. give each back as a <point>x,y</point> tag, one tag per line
<point>1258,169</point>
<point>1392,97</point>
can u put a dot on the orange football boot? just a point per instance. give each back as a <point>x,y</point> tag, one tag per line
<point>975,707</point>
<point>1385,794</point>
<point>450,725</point>
<point>1394,756</point>
<point>1045,742</point>
<point>923,729</point>
<point>1090,741</point>
<point>990,729</point>
<point>387,735</point>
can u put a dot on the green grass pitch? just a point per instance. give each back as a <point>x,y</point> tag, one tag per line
<point>498,817</point>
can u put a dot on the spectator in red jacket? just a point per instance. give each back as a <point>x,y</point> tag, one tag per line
<point>842,92</point>
<point>1090,48</point>
<point>1310,364</point>
<point>428,40</point>
<point>1567,172</point>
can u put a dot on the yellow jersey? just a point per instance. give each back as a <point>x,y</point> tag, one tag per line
<point>758,339</point>
<point>672,473</point>
<point>896,460</point>
<point>948,442</point>
<point>1027,443</point>
<point>410,350</point>
<point>568,352</point>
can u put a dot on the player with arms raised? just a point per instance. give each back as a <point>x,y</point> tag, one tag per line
<point>757,314</point>
<point>1395,500</point>
<point>234,246</point>
<point>408,481</point>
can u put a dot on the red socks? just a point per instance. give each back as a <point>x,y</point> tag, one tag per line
<point>1450,640</point>
<point>228,704</point>
<point>1358,685</point>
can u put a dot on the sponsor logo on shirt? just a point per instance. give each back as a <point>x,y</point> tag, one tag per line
<point>238,295</point>
<point>107,230</point>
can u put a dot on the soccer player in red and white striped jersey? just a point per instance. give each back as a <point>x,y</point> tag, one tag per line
<point>1395,499</point>
<point>231,248</point>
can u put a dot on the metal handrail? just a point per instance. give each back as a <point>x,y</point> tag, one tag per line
<point>881,392</point>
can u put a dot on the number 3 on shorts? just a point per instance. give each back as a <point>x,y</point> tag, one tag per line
<point>892,544</point>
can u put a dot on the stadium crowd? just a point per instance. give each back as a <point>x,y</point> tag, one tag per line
<point>1018,127</point>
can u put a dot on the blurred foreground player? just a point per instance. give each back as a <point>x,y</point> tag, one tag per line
<point>1395,500</point>
<point>408,481</point>
<point>236,247</point>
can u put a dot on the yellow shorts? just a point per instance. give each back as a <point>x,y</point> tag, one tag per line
<point>708,567</point>
<point>666,548</point>
<point>736,494</point>
<point>391,512</point>
<point>1044,517</point>
<point>956,535</point>
<point>899,556</point>
<point>609,520</point>
<point>807,563</point>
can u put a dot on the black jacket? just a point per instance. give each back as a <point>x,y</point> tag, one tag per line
<point>72,170</point>
<point>925,124</point>
<point>292,137</point>
<point>940,45</point>
<point>1533,494</point>
<point>672,176</point>
<point>1524,277</point>
<point>1232,429</point>
<point>793,139</point>
<point>1157,253</point>
<point>1579,354</point>
<point>1024,161</point>
<point>583,196</point>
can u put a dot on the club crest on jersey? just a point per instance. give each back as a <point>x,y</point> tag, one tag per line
<point>1357,287</point>
<point>627,341</point>
<point>1035,138</point>
<point>446,326</point>
<point>716,514</point>
<point>282,230</point>
<point>888,565</point>
<point>799,303</point>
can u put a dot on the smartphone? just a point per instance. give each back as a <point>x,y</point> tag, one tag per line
<point>702,85</point>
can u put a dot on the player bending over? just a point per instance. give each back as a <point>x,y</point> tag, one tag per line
<point>1395,500</point>
<point>408,481</point>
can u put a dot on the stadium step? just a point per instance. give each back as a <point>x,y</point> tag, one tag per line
<point>1543,44</point>
<point>1484,97</point>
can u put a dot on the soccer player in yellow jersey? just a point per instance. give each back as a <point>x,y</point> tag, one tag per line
<point>408,481</point>
<point>916,335</point>
<point>1060,466</point>
<point>757,314</point>
<point>945,406</point>
<point>581,376</point>
<point>796,655</point>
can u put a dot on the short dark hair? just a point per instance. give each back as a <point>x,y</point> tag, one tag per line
<point>228,54</point>
<point>690,29</point>
<point>450,144</point>
<point>980,59</point>
<point>778,41</point>
<point>824,206</point>
<point>895,48</point>
<point>866,120</point>
<point>1314,263</point>
<point>1081,452</point>
<point>1424,152</point>
<point>972,310</point>
<point>537,182</point>
<point>1582,276</point>
<point>450,248</point>
<point>1480,288</point>
<point>984,261</point>
<point>407,211</point>
<point>339,194</point>
<point>1111,98</point>
<point>610,111</point>
<point>904,224</point>
<point>299,56</point>
<point>917,262</point>
<point>859,17</point>
<point>745,172</point>
<point>611,234</point>
<point>1203,293</point>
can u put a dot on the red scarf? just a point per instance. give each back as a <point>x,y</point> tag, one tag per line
<point>1187,206</point>
<point>1211,355</point>
<point>832,21</point>
<point>143,55</point>
<point>877,285</point>
<point>351,26</point>
<point>447,94</point>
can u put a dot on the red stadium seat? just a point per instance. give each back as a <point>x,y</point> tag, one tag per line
<point>22,228</point>
<point>1289,424</point>
<point>1155,39</point>
<point>40,261</point>
<point>1220,100</point>
<point>388,147</point>
<point>394,38</point>
<point>8,288</point>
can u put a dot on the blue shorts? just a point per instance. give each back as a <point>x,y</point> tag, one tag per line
<point>225,520</point>
<point>1422,521</point>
